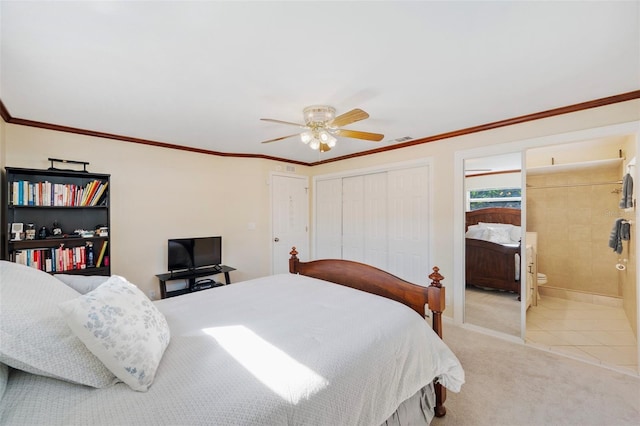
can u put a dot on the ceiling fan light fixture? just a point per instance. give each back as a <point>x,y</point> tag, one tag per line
<point>306,137</point>
<point>322,126</point>
<point>324,136</point>
<point>315,143</point>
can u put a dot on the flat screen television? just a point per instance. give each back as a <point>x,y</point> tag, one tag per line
<point>194,253</point>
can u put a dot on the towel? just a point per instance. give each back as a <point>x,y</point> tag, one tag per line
<point>625,231</point>
<point>627,192</point>
<point>621,232</point>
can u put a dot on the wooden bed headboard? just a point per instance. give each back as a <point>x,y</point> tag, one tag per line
<point>493,215</point>
<point>373,280</point>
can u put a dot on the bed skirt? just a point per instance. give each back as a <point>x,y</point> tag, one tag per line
<point>418,409</point>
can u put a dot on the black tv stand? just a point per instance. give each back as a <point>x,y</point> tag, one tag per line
<point>200,272</point>
<point>192,277</point>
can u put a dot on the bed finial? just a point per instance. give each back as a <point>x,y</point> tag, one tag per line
<point>293,261</point>
<point>435,276</point>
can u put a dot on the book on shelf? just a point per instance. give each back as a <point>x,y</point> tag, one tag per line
<point>54,259</point>
<point>25,193</point>
<point>103,249</point>
<point>98,194</point>
<point>89,192</point>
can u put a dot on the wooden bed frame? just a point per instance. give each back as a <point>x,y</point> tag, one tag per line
<point>488,264</point>
<point>376,281</point>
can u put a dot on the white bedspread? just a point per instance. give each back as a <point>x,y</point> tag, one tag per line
<point>255,353</point>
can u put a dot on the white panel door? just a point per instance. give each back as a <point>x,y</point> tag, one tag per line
<point>290,220</point>
<point>375,220</point>
<point>408,196</point>
<point>352,215</point>
<point>328,219</point>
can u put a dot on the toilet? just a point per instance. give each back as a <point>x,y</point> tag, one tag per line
<point>542,278</point>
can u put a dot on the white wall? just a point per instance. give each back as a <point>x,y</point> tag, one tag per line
<point>159,193</point>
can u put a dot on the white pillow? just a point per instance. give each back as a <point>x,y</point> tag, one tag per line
<point>4,378</point>
<point>499,235</point>
<point>83,284</point>
<point>495,225</point>
<point>515,234</point>
<point>123,328</point>
<point>476,231</point>
<point>34,337</point>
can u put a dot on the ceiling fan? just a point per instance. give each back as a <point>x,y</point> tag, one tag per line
<point>322,126</point>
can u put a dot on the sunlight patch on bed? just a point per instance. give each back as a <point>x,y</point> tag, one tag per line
<point>284,375</point>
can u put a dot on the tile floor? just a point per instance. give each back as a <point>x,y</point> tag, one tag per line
<point>597,333</point>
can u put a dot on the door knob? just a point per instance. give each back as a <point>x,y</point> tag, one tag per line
<point>276,239</point>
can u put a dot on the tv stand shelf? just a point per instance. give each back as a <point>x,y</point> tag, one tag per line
<point>192,277</point>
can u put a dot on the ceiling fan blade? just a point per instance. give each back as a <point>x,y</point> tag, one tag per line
<point>284,122</point>
<point>376,137</point>
<point>280,138</point>
<point>348,118</point>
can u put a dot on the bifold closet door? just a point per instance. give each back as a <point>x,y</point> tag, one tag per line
<point>353,218</point>
<point>408,229</point>
<point>328,219</point>
<point>364,219</point>
<point>375,220</point>
<point>381,219</point>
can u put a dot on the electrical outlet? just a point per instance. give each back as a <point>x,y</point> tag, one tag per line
<point>152,294</point>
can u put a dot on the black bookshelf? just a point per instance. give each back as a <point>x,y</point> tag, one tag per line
<point>43,197</point>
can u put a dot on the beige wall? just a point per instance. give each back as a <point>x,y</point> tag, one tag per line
<point>2,144</point>
<point>2,165</point>
<point>573,223</point>
<point>160,193</point>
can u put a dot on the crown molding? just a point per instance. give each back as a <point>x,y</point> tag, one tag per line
<point>624,97</point>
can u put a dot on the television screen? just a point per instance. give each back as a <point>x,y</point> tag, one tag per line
<point>193,253</point>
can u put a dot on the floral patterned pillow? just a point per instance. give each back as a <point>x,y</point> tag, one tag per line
<point>122,328</point>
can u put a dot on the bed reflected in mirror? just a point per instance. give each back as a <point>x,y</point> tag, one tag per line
<point>492,242</point>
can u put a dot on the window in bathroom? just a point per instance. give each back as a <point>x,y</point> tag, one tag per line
<point>495,197</point>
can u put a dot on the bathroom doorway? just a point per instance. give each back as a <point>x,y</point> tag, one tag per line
<point>586,273</point>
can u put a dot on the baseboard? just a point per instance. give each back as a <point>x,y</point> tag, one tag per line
<point>580,296</point>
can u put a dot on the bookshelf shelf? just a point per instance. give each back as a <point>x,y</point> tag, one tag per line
<point>68,200</point>
<point>56,207</point>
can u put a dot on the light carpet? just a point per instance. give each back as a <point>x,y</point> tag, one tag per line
<point>513,384</point>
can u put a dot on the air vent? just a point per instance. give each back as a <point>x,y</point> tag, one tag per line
<point>403,139</point>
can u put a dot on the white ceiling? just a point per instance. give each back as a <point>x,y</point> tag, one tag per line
<point>202,74</point>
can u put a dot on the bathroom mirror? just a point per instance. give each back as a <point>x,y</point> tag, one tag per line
<point>492,187</point>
